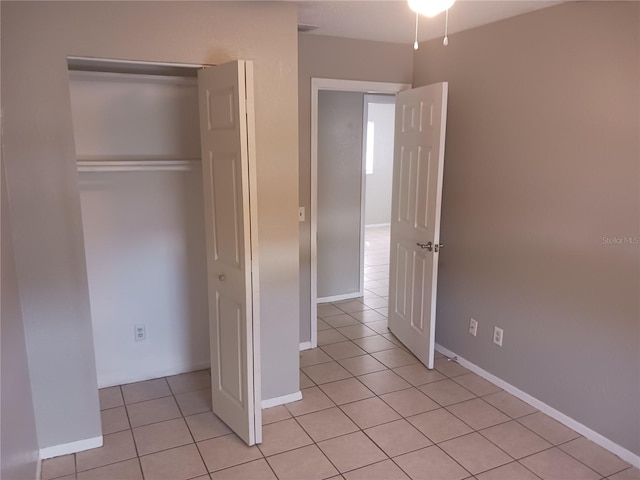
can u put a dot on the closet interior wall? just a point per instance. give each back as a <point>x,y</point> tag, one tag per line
<point>138,149</point>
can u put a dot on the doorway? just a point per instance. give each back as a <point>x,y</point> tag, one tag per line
<point>355,170</point>
<point>318,85</point>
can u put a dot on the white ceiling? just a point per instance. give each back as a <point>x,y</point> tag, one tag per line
<point>393,21</point>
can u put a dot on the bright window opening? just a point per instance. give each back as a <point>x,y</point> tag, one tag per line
<point>369,152</point>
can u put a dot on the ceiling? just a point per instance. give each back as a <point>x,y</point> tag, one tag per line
<point>393,21</point>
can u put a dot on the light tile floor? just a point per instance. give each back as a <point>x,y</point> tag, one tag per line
<point>370,411</point>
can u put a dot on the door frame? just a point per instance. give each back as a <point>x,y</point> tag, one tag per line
<point>332,84</point>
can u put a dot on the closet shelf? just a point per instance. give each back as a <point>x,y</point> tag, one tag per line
<point>131,164</point>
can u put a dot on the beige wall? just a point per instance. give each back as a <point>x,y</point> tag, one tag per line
<point>344,59</point>
<point>43,189</point>
<point>542,163</point>
<point>19,452</point>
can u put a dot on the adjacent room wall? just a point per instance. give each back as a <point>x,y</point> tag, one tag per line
<point>43,188</point>
<point>18,441</point>
<point>339,192</point>
<point>378,184</point>
<point>19,452</point>
<point>345,59</point>
<point>541,206</point>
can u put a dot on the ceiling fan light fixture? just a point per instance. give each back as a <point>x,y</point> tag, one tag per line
<point>430,8</point>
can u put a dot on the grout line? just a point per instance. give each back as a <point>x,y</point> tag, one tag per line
<point>189,429</point>
<point>339,407</point>
<point>182,416</point>
<point>516,461</point>
<point>362,430</point>
<point>142,401</point>
<point>318,446</point>
<point>314,442</point>
<point>476,396</point>
<point>525,426</point>
<point>133,438</point>
<point>577,459</point>
<point>103,466</point>
<point>456,461</point>
<point>269,465</point>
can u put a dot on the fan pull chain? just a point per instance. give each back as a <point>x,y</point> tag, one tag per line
<point>445,41</point>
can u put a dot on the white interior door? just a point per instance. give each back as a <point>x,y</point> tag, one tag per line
<point>421,116</point>
<point>228,161</point>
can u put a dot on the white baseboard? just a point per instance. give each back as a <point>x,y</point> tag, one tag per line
<point>72,447</point>
<point>374,225</point>
<point>274,402</point>
<point>305,346</point>
<point>39,467</point>
<point>583,430</point>
<point>337,298</point>
<point>119,379</point>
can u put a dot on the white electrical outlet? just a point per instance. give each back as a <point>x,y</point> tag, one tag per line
<point>473,327</point>
<point>140,332</point>
<point>497,336</point>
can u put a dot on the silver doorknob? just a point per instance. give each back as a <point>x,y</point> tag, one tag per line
<point>221,277</point>
<point>428,245</point>
<point>438,246</point>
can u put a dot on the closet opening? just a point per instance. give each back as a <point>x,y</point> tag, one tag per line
<point>137,138</point>
<point>170,234</point>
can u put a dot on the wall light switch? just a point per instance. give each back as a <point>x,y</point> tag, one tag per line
<point>301,214</point>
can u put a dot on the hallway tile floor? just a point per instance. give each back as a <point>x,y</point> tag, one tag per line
<point>370,411</point>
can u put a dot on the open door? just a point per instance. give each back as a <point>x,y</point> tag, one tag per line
<point>228,172</point>
<point>421,116</point>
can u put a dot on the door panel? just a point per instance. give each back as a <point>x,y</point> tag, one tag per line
<point>420,268</point>
<point>229,351</point>
<point>415,224</point>
<point>227,219</point>
<point>422,194</point>
<point>405,186</point>
<point>402,281</point>
<point>228,166</point>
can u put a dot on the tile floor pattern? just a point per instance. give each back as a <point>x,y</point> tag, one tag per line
<point>370,411</point>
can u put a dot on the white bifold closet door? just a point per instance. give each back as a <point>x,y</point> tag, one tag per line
<point>229,180</point>
<point>125,268</point>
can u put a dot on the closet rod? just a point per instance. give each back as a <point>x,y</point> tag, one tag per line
<point>137,166</point>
